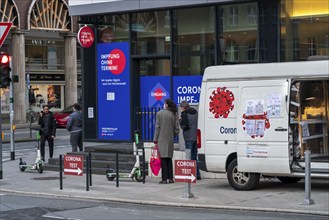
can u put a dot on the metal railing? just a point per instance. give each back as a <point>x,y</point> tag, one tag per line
<point>144,118</point>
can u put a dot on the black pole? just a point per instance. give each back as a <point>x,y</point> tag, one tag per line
<point>87,174</point>
<point>117,168</point>
<point>60,172</point>
<point>143,164</point>
<point>90,173</point>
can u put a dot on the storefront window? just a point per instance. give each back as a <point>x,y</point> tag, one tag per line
<point>45,55</point>
<point>304,30</point>
<point>238,38</point>
<point>150,33</point>
<point>50,95</point>
<point>113,28</point>
<point>194,40</point>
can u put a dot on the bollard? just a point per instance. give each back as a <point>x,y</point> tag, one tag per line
<point>87,173</point>
<point>90,169</point>
<point>143,165</point>
<point>188,157</point>
<point>117,168</point>
<point>60,172</point>
<point>307,197</point>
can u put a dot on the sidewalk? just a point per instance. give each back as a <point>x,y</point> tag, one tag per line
<point>271,195</point>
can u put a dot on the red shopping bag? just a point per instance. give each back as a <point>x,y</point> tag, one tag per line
<point>155,161</point>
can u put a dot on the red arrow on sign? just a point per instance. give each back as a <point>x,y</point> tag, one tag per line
<point>4,30</point>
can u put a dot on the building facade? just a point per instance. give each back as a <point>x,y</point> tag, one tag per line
<point>42,43</point>
<point>172,42</point>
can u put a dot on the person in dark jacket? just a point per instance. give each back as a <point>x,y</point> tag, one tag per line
<point>74,126</point>
<point>189,124</point>
<point>166,127</point>
<point>47,131</point>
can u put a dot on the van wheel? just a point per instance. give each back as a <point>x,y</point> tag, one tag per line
<point>241,180</point>
<point>288,179</point>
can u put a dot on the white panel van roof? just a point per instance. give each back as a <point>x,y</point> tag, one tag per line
<point>303,69</point>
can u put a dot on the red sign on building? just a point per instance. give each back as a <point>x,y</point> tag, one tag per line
<point>86,36</point>
<point>73,165</point>
<point>185,171</point>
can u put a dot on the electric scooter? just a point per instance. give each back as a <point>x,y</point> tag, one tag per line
<point>38,164</point>
<point>136,172</point>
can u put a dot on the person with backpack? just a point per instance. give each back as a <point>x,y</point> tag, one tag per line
<point>189,124</point>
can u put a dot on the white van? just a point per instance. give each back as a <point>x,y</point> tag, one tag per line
<point>258,119</point>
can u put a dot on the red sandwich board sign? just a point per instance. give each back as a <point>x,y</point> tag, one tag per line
<point>4,30</point>
<point>73,165</point>
<point>185,171</point>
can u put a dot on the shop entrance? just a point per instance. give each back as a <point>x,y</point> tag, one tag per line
<point>148,74</point>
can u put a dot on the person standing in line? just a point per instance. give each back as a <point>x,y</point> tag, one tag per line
<point>166,128</point>
<point>189,124</point>
<point>74,126</point>
<point>47,131</point>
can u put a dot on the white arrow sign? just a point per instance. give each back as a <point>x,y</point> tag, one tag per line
<point>192,177</point>
<point>78,171</point>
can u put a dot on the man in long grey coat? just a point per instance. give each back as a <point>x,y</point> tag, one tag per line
<point>165,130</point>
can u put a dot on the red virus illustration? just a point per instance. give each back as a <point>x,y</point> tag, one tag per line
<point>221,102</point>
<point>256,129</point>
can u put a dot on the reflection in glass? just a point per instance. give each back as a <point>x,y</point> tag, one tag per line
<point>194,40</point>
<point>238,38</point>
<point>304,30</point>
<point>150,32</point>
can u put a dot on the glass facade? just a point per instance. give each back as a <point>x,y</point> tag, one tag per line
<point>304,29</point>
<point>150,33</point>
<point>238,33</point>
<point>193,40</point>
<point>113,28</point>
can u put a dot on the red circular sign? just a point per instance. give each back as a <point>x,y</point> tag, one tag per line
<point>116,61</point>
<point>86,36</point>
<point>158,94</point>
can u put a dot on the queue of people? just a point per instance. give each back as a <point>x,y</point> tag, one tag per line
<point>166,129</point>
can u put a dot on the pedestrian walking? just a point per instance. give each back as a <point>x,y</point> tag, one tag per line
<point>189,124</point>
<point>166,129</point>
<point>74,126</point>
<point>47,131</point>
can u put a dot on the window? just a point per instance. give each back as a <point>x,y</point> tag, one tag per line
<point>194,40</point>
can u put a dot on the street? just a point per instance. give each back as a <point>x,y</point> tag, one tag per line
<point>14,206</point>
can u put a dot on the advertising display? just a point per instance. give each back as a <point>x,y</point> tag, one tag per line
<point>187,88</point>
<point>113,67</point>
<point>154,90</point>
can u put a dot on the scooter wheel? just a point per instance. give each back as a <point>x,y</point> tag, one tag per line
<point>108,173</point>
<point>22,166</point>
<point>40,168</point>
<point>138,178</point>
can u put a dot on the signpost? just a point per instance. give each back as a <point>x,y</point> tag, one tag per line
<point>73,165</point>
<point>185,171</point>
<point>4,30</point>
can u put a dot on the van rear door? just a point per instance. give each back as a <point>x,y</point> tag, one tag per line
<point>262,127</point>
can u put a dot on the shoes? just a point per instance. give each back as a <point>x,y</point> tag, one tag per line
<point>163,182</point>
<point>171,181</point>
<point>198,178</point>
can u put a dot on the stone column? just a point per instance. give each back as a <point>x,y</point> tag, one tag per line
<point>71,72</point>
<point>18,68</point>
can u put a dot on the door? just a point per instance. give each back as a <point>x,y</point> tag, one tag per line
<point>263,127</point>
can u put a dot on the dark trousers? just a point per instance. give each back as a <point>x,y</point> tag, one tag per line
<point>50,144</point>
<point>76,141</point>
<point>166,169</point>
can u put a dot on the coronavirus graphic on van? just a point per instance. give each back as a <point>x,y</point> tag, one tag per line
<point>221,102</point>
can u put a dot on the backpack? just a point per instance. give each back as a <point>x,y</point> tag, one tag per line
<point>184,123</point>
